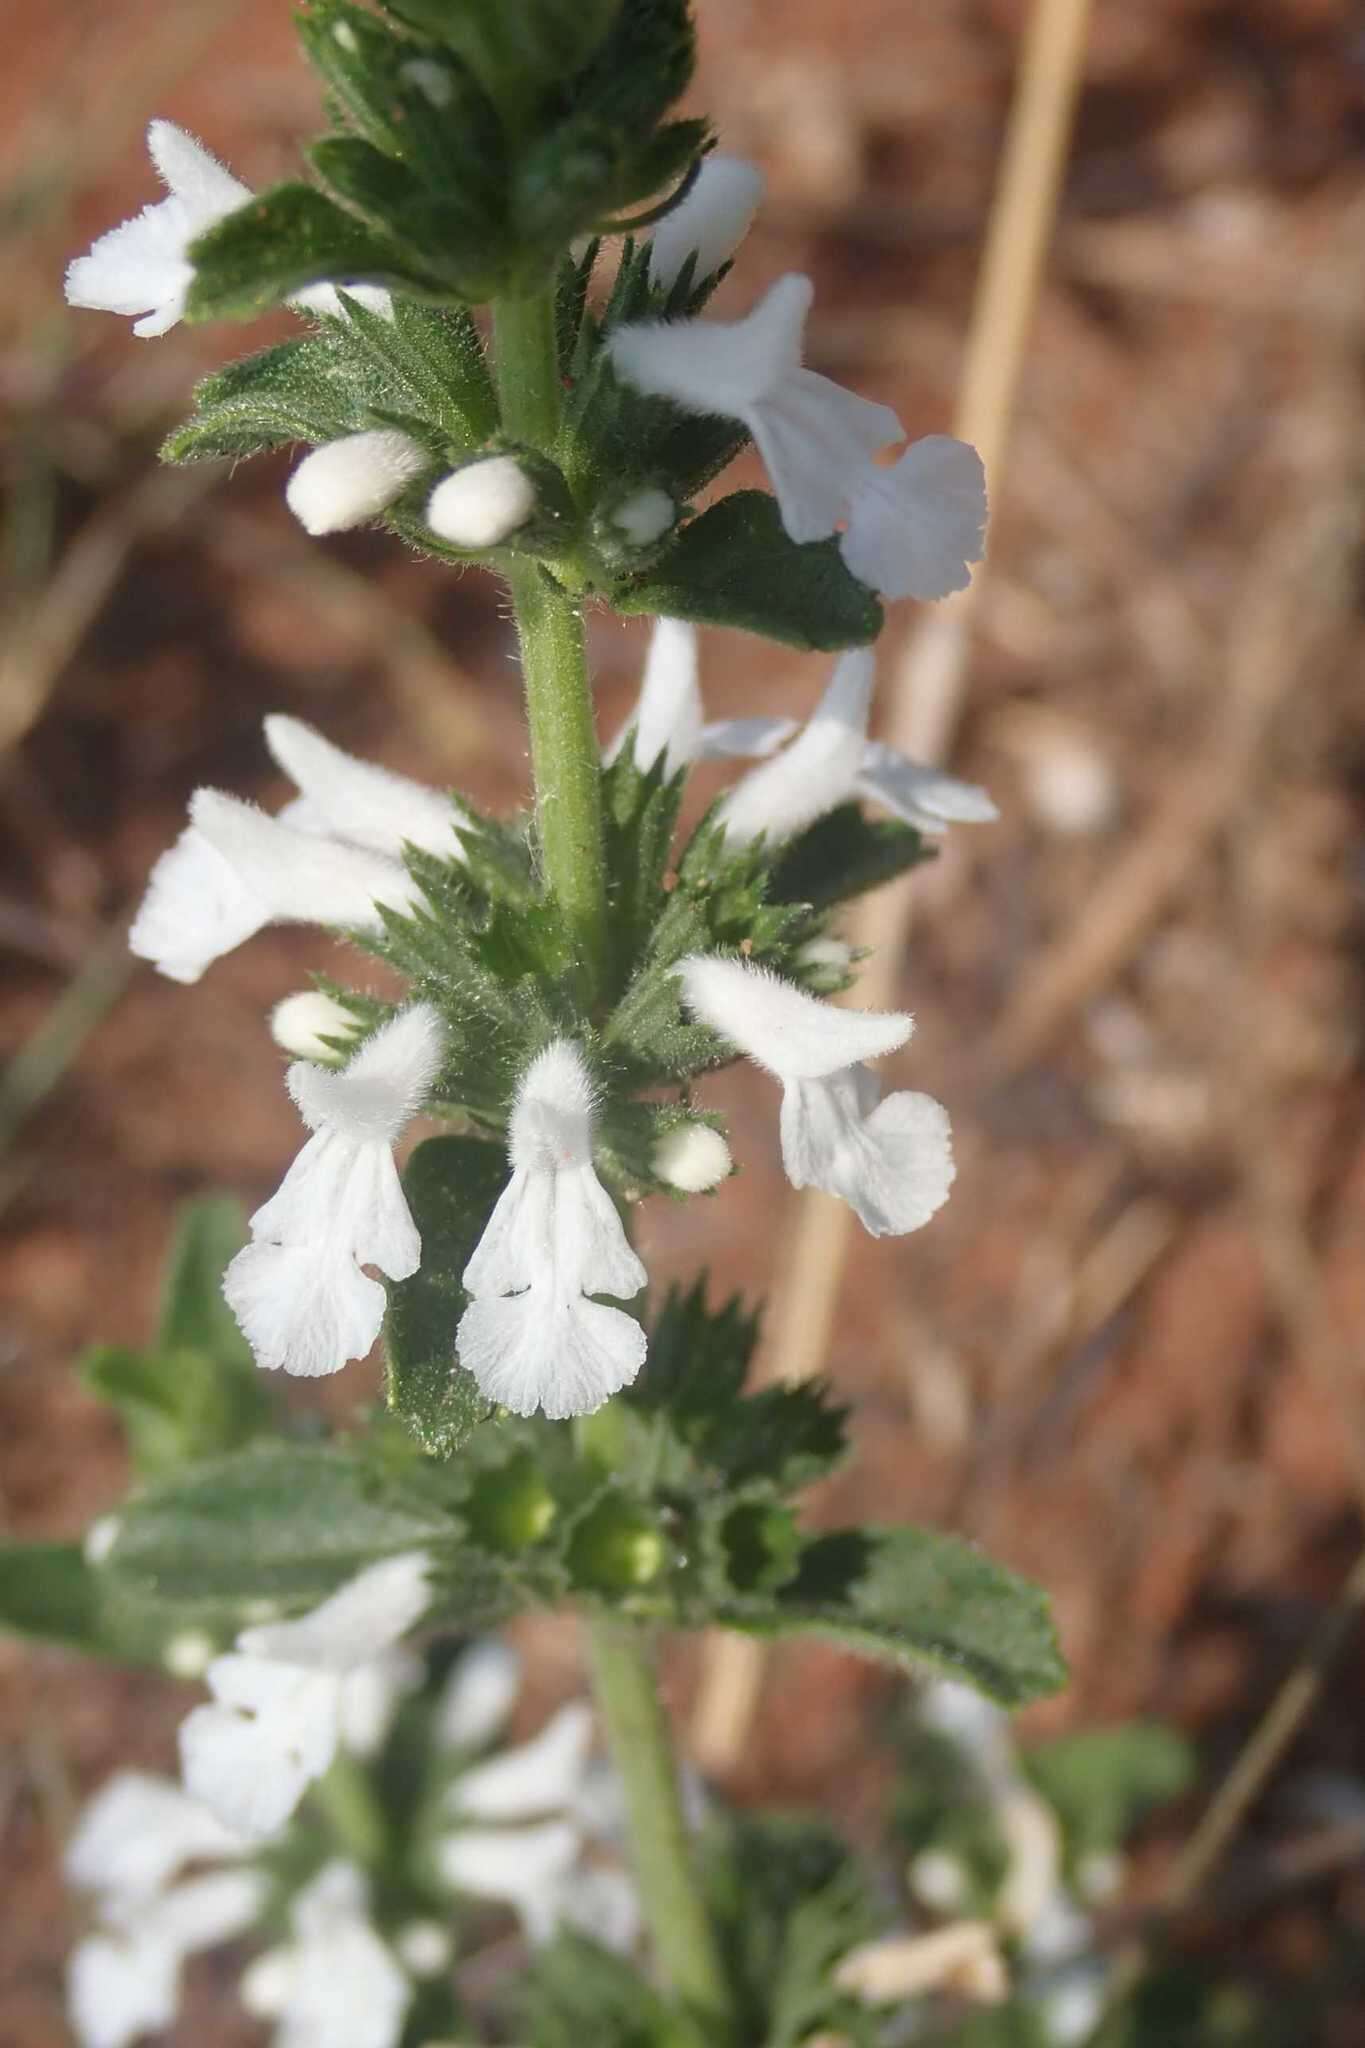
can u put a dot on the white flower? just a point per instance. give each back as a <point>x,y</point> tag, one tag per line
<point>523,1825</point>
<point>124,1980</point>
<point>667,718</point>
<point>478,1695</point>
<point>914,528</point>
<point>346,482</point>
<point>335,1984</point>
<point>137,1834</point>
<point>280,1698</point>
<point>814,436</point>
<point>143,267</point>
<point>890,1159</point>
<point>331,856</point>
<point>710,223</point>
<point>693,1158</point>
<point>297,1289</point>
<point>531,1335</point>
<point>831,761</point>
<point>541,1777</point>
<point>483,504</point>
<point>303,1024</point>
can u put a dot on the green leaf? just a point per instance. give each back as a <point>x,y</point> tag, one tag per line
<point>788,1899</point>
<point>290,392</point>
<point>176,1406</point>
<point>917,1597</point>
<point>735,566</point>
<point>640,812</point>
<point>194,1314</point>
<point>284,239</point>
<point>278,1522</point>
<point>845,854</point>
<point>1102,1781</point>
<point>577,1995</point>
<point>49,1593</point>
<point>451,1185</point>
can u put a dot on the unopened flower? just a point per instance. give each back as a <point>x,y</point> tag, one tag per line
<point>914,528</point>
<point>303,1025</point>
<point>667,718</point>
<point>710,223</point>
<point>831,761</point>
<point>346,482</point>
<point>814,436</point>
<point>889,1157</point>
<point>332,856</point>
<point>279,1699</point>
<point>483,504</point>
<point>297,1289</point>
<point>531,1335</point>
<point>143,267</point>
<point>130,1845</point>
<point>692,1158</point>
<point>642,518</point>
<point>335,1983</point>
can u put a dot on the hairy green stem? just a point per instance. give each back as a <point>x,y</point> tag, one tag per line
<point>565,759</point>
<point>568,776</point>
<point>628,1695</point>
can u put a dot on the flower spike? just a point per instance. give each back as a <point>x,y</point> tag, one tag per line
<point>890,1159</point>
<point>531,1335</point>
<point>279,1706</point>
<point>297,1289</point>
<point>814,436</point>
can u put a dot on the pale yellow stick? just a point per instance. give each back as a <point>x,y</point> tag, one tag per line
<point>923,706</point>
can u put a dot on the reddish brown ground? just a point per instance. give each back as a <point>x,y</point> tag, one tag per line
<point>1128,1356</point>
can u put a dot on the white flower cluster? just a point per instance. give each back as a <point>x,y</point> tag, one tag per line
<point>536,1829</point>
<point>534,1335</point>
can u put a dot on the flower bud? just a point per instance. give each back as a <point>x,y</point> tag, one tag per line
<point>711,222</point>
<point>693,1158</point>
<point>189,1654</point>
<point>424,1947</point>
<point>349,481</point>
<point>302,1024</point>
<point>642,518</point>
<point>483,504</point>
<point>618,1547</point>
<point>100,1539</point>
<point>511,1507</point>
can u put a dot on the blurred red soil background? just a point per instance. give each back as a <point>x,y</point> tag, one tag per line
<point>1128,1357</point>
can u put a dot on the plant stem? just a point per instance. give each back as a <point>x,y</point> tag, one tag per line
<point>353,1812</point>
<point>565,760</point>
<point>627,1693</point>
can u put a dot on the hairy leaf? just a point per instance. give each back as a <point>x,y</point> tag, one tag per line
<point>451,1185</point>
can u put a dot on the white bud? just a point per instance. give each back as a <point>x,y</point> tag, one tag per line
<point>644,517</point>
<point>266,1983</point>
<point>100,1539</point>
<point>938,1881</point>
<point>349,481</point>
<point>189,1654</point>
<point>834,956</point>
<point>1099,1877</point>
<point>693,1159</point>
<point>481,505</point>
<point>424,1948</point>
<point>302,1024</point>
<point>711,222</point>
